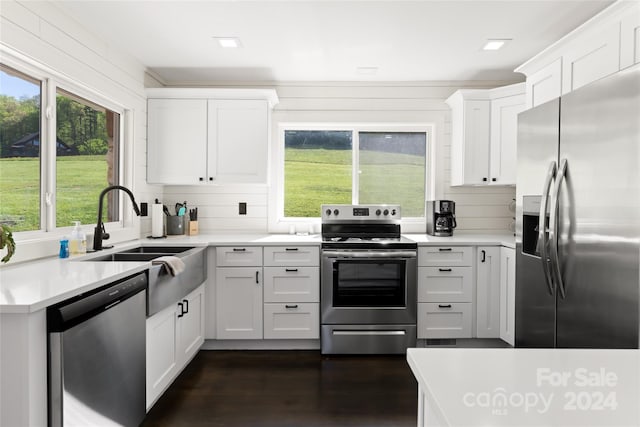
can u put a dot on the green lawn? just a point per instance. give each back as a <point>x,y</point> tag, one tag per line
<point>317,176</point>
<point>312,177</point>
<point>79,182</point>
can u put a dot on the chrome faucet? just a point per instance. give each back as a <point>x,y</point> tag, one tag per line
<point>100,233</point>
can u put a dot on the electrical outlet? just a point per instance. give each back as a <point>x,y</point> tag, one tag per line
<point>144,209</point>
<point>242,208</point>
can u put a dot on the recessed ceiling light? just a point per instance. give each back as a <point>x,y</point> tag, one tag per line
<point>229,42</point>
<point>367,70</point>
<point>495,44</point>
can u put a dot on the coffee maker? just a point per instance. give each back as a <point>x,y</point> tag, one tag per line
<point>441,217</point>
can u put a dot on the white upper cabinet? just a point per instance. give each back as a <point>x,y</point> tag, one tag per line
<point>630,39</point>
<point>545,84</point>
<point>591,57</point>
<point>607,43</point>
<point>483,135</point>
<point>177,139</point>
<point>215,136</point>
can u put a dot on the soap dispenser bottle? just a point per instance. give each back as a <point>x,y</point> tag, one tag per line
<point>78,241</point>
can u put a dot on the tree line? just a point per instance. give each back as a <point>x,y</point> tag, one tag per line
<point>80,127</point>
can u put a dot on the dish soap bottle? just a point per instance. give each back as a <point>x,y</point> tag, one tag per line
<point>78,241</point>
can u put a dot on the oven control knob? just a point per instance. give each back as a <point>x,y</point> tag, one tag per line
<point>386,212</point>
<point>393,211</point>
<point>378,212</point>
<point>336,212</point>
<point>328,212</point>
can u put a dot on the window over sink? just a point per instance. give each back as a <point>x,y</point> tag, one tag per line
<point>59,147</point>
<point>353,164</point>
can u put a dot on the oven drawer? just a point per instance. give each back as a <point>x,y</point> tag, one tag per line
<point>444,320</point>
<point>291,284</point>
<point>239,256</point>
<point>454,256</point>
<point>292,321</point>
<point>445,284</point>
<point>292,255</point>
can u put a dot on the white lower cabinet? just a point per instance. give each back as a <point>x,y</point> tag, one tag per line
<point>488,292</point>
<point>291,321</point>
<point>507,294</point>
<point>445,292</point>
<point>173,336</point>
<point>239,303</point>
<point>444,320</point>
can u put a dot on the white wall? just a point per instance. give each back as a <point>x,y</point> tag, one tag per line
<point>478,209</point>
<point>44,35</point>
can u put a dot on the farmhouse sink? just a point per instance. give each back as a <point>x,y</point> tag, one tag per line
<point>165,289</point>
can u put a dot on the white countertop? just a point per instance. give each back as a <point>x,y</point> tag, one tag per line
<point>465,238</point>
<point>31,286</point>
<point>512,387</point>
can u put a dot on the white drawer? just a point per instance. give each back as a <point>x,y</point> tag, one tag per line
<point>444,320</point>
<point>291,284</point>
<point>292,255</point>
<point>239,256</point>
<point>292,321</point>
<point>445,284</point>
<point>448,256</point>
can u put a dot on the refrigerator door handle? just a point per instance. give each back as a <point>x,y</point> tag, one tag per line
<point>553,228</point>
<point>543,240</point>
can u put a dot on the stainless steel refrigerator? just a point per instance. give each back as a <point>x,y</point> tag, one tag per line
<point>578,218</point>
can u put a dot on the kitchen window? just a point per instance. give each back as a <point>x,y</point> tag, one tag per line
<point>58,150</point>
<point>370,164</point>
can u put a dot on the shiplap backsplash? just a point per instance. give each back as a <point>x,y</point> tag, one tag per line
<point>477,208</point>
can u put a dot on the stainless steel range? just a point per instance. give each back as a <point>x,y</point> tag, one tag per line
<point>368,281</point>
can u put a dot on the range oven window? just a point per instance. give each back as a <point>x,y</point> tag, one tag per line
<point>367,283</point>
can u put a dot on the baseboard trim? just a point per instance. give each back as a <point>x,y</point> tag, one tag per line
<point>261,345</point>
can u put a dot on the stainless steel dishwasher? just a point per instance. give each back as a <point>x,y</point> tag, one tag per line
<point>97,356</point>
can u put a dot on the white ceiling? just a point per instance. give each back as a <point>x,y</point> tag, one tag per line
<point>300,40</point>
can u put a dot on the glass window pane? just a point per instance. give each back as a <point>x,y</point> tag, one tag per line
<point>392,170</point>
<point>87,144</point>
<point>19,150</point>
<point>317,170</point>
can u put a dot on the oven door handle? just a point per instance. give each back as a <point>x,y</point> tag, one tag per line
<point>370,254</point>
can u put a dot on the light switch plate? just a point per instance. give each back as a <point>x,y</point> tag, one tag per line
<point>242,208</point>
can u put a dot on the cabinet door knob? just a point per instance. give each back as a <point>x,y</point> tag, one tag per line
<point>484,179</point>
<point>201,179</point>
<point>494,179</point>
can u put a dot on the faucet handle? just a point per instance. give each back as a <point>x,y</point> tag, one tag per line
<point>105,235</point>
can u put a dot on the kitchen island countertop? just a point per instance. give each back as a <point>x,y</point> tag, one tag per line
<point>511,387</point>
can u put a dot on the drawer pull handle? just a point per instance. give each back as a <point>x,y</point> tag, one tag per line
<point>291,249</point>
<point>291,270</point>
<point>444,269</point>
<point>444,249</point>
<point>181,309</point>
<point>444,305</point>
<point>239,249</point>
<point>291,306</point>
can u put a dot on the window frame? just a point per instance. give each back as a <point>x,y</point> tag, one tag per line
<point>279,223</point>
<point>50,81</point>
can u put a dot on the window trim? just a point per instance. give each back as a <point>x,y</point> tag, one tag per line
<point>50,82</point>
<point>278,223</point>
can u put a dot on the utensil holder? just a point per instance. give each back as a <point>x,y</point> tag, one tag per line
<point>175,225</point>
<point>193,228</point>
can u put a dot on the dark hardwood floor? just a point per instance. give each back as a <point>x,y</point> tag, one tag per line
<point>289,388</point>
